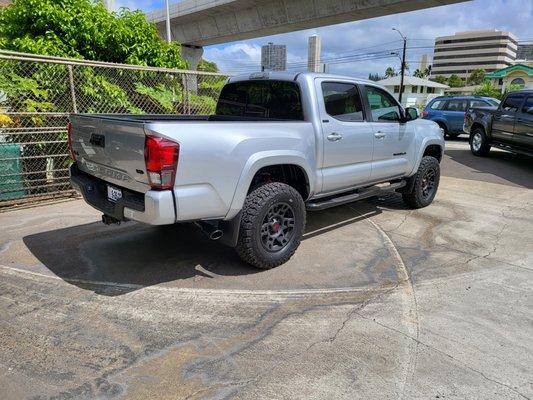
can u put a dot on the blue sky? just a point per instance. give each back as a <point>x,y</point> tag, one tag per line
<point>421,28</point>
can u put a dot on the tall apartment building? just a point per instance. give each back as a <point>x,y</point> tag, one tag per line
<point>464,52</point>
<point>274,57</point>
<point>313,54</point>
<point>525,52</point>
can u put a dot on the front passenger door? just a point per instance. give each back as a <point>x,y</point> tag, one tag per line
<point>523,128</point>
<point>392,139</point>
<point>504,118</point>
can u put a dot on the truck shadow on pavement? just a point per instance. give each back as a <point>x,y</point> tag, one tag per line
<point>514,168</point>
<point>116,260</point>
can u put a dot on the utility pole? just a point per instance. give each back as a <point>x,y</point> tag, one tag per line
<point>169,35</point>
<point>403,63</point>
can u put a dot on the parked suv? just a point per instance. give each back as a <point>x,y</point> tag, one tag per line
<point>449,111</point>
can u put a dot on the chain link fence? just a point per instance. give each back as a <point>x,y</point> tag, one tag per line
<point>37,94</point>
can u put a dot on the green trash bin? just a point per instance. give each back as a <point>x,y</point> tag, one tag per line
<point>11,179</point>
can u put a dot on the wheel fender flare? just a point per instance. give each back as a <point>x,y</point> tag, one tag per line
<point>424,145</point>
<point>265,159</point>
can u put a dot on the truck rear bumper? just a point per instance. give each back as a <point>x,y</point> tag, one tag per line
<point>152,207</point>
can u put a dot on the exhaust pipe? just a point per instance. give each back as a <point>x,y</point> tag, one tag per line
<point>212,231</point>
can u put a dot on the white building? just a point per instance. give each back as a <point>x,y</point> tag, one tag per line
<point>274,57</point>
<point>313,54</point>
<point>464,52</point>
<point>417,91</point>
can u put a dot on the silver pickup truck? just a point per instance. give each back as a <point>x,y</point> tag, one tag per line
<point>278,145</point>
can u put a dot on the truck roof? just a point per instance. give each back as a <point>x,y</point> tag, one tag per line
<point>292,76</point>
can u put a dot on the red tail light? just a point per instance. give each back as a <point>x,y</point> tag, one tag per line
<point>161,158</point>
<point>424,114</point>
<point>69,138</point>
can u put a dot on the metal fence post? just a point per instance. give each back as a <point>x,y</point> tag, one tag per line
<point>72,89</point>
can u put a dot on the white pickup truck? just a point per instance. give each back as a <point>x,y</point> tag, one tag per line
<point>279,144</point>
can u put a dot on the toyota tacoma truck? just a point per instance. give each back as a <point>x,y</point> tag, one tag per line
<point>277,146</point>
<point>508,126</point>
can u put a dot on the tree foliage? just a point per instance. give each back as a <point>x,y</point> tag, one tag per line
<point>390,72</point>
<point>375,77</point>
<point>440,79</point>
<point>455,81</point>
<point>487,89</point>
<point>476,77</point>
<point>85,29</point>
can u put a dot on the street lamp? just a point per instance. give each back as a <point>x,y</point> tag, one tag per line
<point>403,63</point>
<point>169,36</point>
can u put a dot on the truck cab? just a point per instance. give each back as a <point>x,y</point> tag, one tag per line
<point>508,126</point>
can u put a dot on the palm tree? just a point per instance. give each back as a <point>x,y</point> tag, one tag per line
<point>419,74</point>
<point>390,72</point>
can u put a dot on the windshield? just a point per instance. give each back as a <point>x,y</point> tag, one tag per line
<point>262,99</point>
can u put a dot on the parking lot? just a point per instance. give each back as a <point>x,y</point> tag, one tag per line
<point>379,302</point>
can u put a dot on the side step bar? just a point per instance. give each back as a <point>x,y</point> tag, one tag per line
<point>328,202</point>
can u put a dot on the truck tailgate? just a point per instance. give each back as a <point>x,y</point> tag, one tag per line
<point>111,149</point>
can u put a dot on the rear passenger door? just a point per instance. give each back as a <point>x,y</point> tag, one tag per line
<point>523,128</point>
<point>347,137</point>
<point>455,114</point>
<point>504,118</point>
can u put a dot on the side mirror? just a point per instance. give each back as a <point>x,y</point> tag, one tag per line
<point>411,113</point>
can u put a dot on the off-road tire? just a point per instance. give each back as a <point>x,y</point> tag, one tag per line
<point>483,148</point>
<point>257,204</point>
<point>416,198</point>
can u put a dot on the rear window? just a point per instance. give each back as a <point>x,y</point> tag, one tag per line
<point>437,105</point>
<point>342,101</point>
<point>261,99</point>
<point>479,103</point>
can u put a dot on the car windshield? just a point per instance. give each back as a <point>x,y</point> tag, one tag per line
<point>261,99</point>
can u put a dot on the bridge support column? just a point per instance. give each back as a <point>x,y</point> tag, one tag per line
<point>193,55</point>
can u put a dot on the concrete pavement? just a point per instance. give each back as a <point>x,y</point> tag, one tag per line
<point>379,302</point>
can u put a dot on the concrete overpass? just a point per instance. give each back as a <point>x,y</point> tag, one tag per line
<point>197,23</point>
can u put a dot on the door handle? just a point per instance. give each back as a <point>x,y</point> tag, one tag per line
<point>334,137</point>
<point>379,135</point>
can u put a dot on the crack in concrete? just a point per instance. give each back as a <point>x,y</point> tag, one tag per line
<point>418,341</point>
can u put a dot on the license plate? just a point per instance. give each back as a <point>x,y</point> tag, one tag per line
<point>113,193</point>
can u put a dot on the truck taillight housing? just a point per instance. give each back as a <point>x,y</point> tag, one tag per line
<point>69,139</point>
<point>161,158</point>
<point>424,114</point>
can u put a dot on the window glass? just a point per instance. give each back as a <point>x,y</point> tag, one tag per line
<point>518,82</point>
<point>479,103</point>
<point>512,103</point>
<point>528,104</point>
<point>437,104</point>
<point>414,89</point>
<point>262,99</point>
<point>342,101</point>
<point>430,90</point>
<point>396,89</point>
<point>456,105</point>
<point>384,107</point>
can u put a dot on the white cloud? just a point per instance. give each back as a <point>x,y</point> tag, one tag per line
<point>421,27</point>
